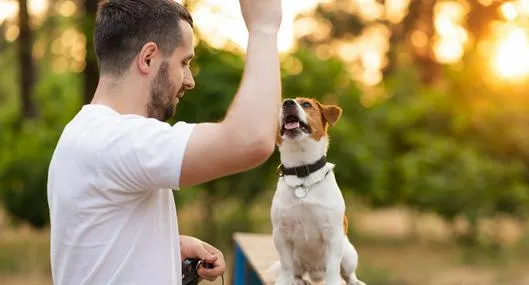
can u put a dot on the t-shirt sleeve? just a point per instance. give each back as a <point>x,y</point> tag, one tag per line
<point>146,155</point>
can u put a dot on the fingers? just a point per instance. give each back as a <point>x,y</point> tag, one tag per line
<point>195,248</point>
<point>212,273</point>
<point>206,255</point>
<point>219,265</point>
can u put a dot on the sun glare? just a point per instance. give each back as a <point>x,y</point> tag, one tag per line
<point>221,22</point>
<point>509,11</point>
<point>396,10</point>
<point>451,36</point>
<point>511,58</point>
<point>523,6</point>
<point>8,9</point>
<point>66,8</point>
<point>38,7</point>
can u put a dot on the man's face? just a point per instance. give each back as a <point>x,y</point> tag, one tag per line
<point>174,77</point>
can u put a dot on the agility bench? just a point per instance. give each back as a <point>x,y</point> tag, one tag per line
<point>253,255</point>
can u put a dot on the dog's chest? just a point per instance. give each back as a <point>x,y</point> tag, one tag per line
<point>308,218</point>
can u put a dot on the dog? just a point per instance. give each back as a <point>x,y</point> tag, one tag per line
<point>308,210</point>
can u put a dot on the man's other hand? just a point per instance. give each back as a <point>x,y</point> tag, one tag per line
<point>191,247</point>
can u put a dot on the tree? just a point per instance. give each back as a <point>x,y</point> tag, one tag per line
<point>27,69</point>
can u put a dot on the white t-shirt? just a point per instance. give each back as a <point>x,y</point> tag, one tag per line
<point>113,217</point>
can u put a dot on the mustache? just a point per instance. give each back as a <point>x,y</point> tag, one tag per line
<point>180,93</point>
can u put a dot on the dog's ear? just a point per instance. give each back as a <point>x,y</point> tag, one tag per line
<point>331,113</point>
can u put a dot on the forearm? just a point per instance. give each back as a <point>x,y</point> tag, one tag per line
<point>256,105</point>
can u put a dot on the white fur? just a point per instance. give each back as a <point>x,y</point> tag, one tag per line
<point>308,233</point>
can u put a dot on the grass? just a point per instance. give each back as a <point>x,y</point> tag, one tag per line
<point>24,257</point>
<point>388,256</point>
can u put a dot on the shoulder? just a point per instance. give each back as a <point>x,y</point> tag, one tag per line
<point>110,127</point>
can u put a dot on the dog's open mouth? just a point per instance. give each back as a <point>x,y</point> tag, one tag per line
<point>292,123</point>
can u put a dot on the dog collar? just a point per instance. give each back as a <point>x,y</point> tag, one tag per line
<point>303,170</point>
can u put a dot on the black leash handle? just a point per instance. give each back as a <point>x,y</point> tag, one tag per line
<point>190,270</point>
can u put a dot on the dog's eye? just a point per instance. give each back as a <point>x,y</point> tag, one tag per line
<point>306,105</point>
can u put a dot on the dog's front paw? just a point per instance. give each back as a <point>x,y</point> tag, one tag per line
<point>300,281</point>
<point>353,280</point>
<point>356,282</point>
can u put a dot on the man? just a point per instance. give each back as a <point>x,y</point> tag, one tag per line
<point>113,217</point>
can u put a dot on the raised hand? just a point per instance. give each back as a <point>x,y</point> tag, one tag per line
<point>262,15</point>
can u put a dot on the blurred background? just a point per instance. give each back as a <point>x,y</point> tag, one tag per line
<point>432,151</point>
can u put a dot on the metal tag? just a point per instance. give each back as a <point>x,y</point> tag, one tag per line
<point>300,192</point>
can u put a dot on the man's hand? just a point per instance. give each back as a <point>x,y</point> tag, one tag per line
<point>261,15</point>
<point>191,247</point>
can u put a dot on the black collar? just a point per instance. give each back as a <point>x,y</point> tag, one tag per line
<point>303,170</point>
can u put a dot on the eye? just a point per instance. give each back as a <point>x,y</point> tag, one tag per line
<point>306,105</point>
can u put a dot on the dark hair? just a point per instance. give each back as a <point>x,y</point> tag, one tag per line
<point>122,27</point>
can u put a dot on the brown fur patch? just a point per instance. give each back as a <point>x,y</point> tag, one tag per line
<point>279,140</point>
<point>345,224</point>
<point>319,116</point>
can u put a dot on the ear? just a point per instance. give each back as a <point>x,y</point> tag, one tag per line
<point>146,56</point>
<point>331,113</point>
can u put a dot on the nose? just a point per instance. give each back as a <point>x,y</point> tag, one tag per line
<point>289,103</point>
<point>189,81</point>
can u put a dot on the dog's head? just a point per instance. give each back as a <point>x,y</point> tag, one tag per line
<point>303,119</point>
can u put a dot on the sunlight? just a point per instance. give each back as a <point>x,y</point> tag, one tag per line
<point>512,55</point>
<point>37,7</point>
<point>369,50</point>
<point>396,10</point>
<point>486,3</point>
<point>66,8</point>
<point>446,51</point>
<point>316,29</point>
<point>509,11</point>
<point>369,10</point>
<point>12,33</point>
<point>8,10</point>
<point>221,22</point>
<point>449,45</point>
<point>523,7</point>
<point>419,39</point>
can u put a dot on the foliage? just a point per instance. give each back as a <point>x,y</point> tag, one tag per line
<point>27,148</point>
<point>456,146</point>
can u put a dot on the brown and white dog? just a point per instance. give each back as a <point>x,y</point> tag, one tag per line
<point>308,209</point>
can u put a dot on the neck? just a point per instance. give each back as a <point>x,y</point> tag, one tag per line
<point>296,153</point>
<point>122,94</point>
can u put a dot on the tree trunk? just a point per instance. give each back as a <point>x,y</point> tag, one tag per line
<point>91,72</point>
<point>27,71</point>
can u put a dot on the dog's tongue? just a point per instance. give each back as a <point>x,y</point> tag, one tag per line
<point>291,125</point>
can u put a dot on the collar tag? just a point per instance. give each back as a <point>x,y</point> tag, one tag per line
<point>300,192</point>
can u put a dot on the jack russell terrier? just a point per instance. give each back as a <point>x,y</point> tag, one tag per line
<point>308,209</point>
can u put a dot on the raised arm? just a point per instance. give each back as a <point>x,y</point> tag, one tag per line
<point>246,136</point>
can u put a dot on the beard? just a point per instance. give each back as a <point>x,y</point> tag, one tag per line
<point>163,94</point>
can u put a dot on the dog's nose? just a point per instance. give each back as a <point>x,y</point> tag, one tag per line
<point>289,103</point>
